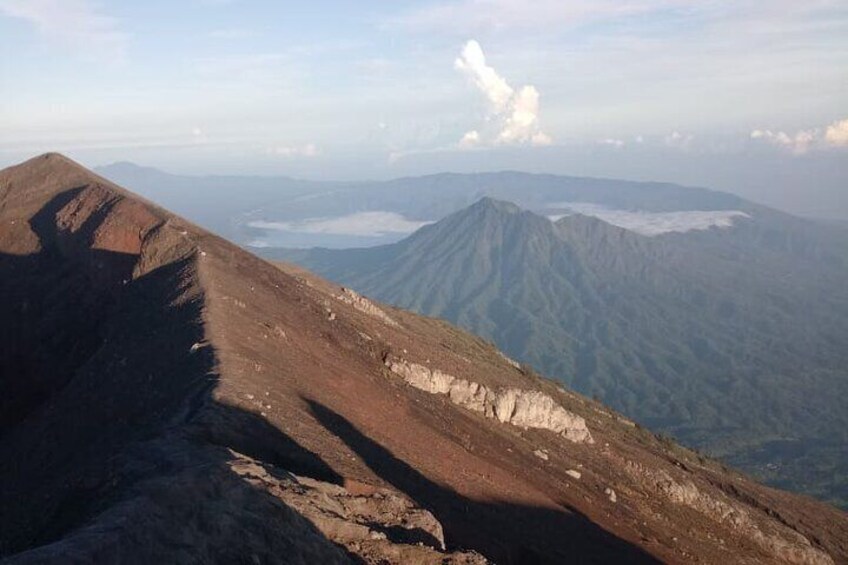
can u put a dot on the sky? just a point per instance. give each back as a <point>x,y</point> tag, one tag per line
<point>749,96</point>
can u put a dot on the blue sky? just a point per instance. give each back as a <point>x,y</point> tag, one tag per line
<point>748,95</point>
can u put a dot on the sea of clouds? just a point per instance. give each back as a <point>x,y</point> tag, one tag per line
<point>352,230</point>
<point>650,223</point>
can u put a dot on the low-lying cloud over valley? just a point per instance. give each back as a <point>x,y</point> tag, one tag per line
<point>651,223</point>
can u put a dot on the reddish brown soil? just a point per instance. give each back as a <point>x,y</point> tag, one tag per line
<point>139,352</point>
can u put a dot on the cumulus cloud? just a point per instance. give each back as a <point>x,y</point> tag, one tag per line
<point>799,143</point>
<point>833,136</point>
<point>473,62</point>
<point>470,139</point>
<point>837,134</point>
<point>513,115</point>
<point>306,150</point>
<point>73,22</point>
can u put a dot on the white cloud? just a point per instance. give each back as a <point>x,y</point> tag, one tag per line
<point>612,142</point>
<point>514,115</point>
<point>470,139</point>
<point>802,141</point>
<point>364,224</point>
<point>798,143</point>
<point>837,134</point>
<point>306,150</point>
<point>652,223</point>
<point>540,138</point>
<point>662,53</point>
<point>779,138</point>
<point>198,135</point>
<point>679,140</point>
<point>472,61</point>
<point>76,23</point>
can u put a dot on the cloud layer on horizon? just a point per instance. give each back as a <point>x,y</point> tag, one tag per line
<point>305,150</point>
<point>652,223</point>
<point>364,224</point>
<point>833,136</point>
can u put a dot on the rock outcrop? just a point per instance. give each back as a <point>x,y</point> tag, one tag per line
<point>512,362</point>
<point>522,408</point>
<point>365,306</point>
<point>785,544</point>
<point>378,527</point>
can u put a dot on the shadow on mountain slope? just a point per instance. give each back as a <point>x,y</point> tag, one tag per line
<point>52,310</point>
<point>125,456</point>
<point>112,447</point>
<point>503,532</point>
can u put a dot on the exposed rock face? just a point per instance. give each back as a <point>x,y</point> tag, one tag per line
<point>522,408</point>
<point>364,305</point>
<point>513,363</point>
<point>379,527</point>
<point>785,544</point>
<point>198,511</point>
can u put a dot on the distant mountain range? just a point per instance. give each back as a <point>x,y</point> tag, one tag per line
<point>733,338</point>
<point>285,212</point>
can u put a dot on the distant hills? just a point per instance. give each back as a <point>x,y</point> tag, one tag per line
<point>285,212</point>
<point>733,339</point>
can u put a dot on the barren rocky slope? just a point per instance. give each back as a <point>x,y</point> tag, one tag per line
<point>168,397</point>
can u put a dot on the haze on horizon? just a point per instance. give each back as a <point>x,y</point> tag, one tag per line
<point>748,97</point>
